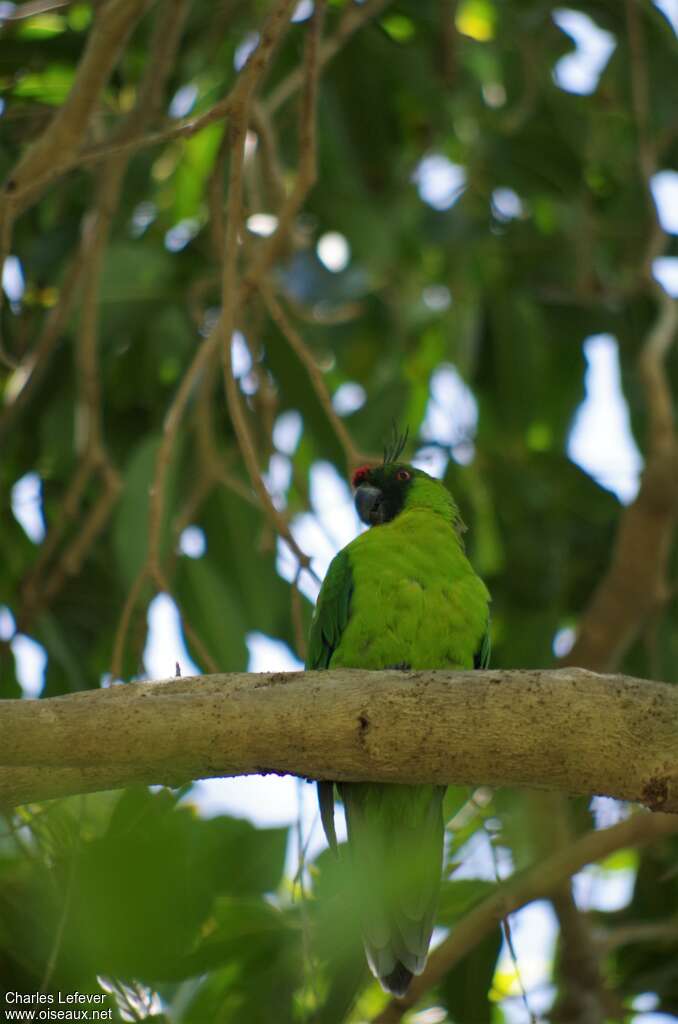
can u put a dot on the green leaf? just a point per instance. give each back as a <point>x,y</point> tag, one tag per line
<point>458,897</point>
<point>211,606</point>
<point>197,159</point>
<point>465,989</point>
<point>130,526</point>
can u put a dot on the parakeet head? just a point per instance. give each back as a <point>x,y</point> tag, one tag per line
<point>382,492</point>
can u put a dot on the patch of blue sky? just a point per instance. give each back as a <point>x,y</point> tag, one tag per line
<point>478,861</point>
<point>451,416</point>
<point>317,545</point>
<point>664,186</point>
<point>534,932</point>
<point>245,49</point>
<point>27,506</point>
<point>30,660</point>
<point>277,478</point>
<point>303,11</point>
<point>241,359</point>
<point>143,215</point>
<point>287,431</point>
<point>665,272</point>
<point>332,502</point>
<point>333,251</point>
<point>600,440</point>
<point>579,72</point>
<point>506,204</point>
<point>348,398</point>
<point>181,233</point>
<point>436,297</point>
<point>432,460</point>
<point>165,645</point>
<point>270,655</point>
<point>563,641</point>
<point>30,657</point>
<point>597,889</point>
<point>7,623</point>
<point>193,542</point>
<point>439,181</point>
<point>669,9</point>
<point>263,224</point>
<point>13,283</point>
<point>183,100</point>
<point>607,811</point>
<point>654,1018</point>
<point>330,525</point>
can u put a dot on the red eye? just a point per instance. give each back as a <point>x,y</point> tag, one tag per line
<point>402,474</point>
<point>360,475</point>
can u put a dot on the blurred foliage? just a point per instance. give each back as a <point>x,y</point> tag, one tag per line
<point>196,916</point>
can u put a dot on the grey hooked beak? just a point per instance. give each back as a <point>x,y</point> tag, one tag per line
<point>368,504</point>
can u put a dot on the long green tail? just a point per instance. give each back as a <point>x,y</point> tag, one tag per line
<point>395,838</point>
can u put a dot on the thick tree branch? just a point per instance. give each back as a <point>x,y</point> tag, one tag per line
<point>569,730</point>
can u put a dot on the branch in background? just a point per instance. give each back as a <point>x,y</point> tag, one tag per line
<point>58,144</point>
<point>296,343</point>
<point>612,735</point>
<point>609,939</point>
<point>267,155</point>
<point>636,582</point>
<point>42,586</point>
<point>354,18</point>
<point>661,336</point>
<point>537,882</point>
<point>33,7</point>
<point>449,64</point>
<point>300,641</point>
<point>200,367</point>
<point>31,371</point>
<point>635,585</point>
<point>270,250</point>
<point>231,293</point>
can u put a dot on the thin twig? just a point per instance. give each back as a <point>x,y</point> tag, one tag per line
<point>230,291</point>
<point>6,224</point>
<point>199,369</point>
<point>32,368</point>
<point>267,154</point>
<point>269,251</point>
<point>354,18</point>
<point>506,926</point>
<point>66,906</point>
<point>663,332</point>
<point>124,621</point>
<point>94,457</point>
<point>33,7</point>
<point>298,619</point>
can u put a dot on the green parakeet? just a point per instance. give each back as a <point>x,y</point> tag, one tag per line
<point>401,595</point>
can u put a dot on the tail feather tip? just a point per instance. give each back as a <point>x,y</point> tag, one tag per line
<point>398,981</point>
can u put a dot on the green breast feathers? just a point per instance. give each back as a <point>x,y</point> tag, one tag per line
<point>403,593</point>
<point>416,600</point>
